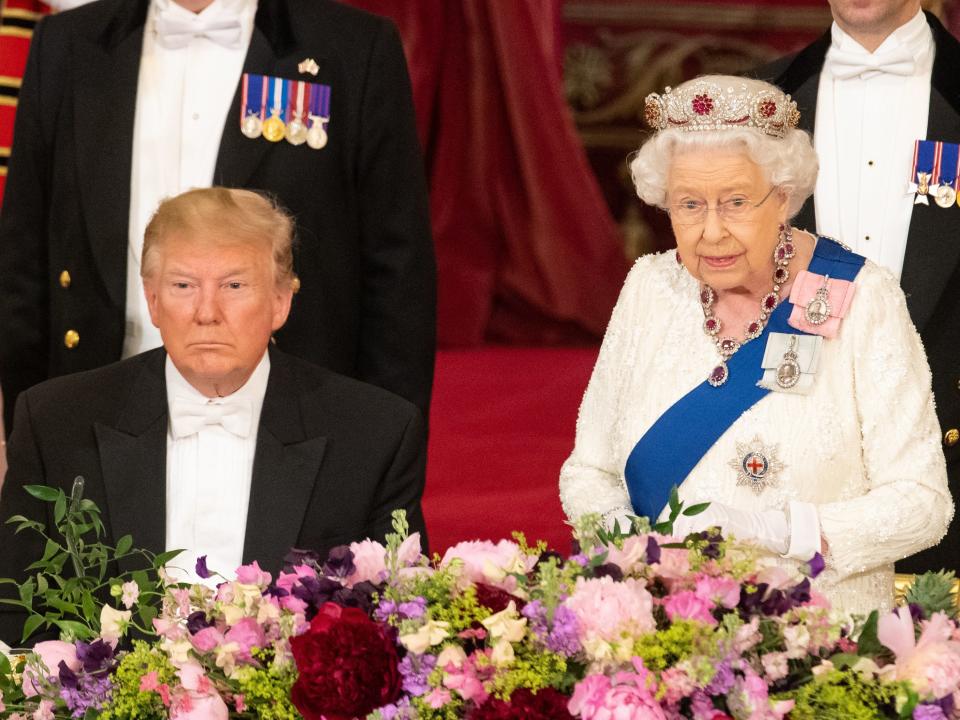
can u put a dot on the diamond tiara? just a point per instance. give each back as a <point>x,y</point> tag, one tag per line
<point>707,105</point>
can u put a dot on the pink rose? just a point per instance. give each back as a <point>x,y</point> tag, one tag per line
<point>51,653</point>
<point>687,605</point>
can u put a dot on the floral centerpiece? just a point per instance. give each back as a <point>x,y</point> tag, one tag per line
<point>634,625</point>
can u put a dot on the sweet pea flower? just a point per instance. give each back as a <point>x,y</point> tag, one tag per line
<point>438,697</point>
<point>723,591</point>
<point>130,593</point>
<point>451,655</point>
<point>775,665</point>
<point>506,624</point>
<point>687,605</point>
<point>247,634</point>
<point>502,654</point>
<point>113,624</point>
<point>932,662</point>
<point>207,639</point>
<point>252,574</point>
<point>467,682</point>
<point>44,710</point>
<point>51,654</point>
<point>797,640</point>
<point>369,562</point>
<point>201,701</point>
<point>631,556</point>
<point>429,634</point>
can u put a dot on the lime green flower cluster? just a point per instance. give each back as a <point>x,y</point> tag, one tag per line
<point>462,611</point>
<point>534,670</point>
<point>128,701</point>
<point>266,692</point>
<point>663,648</point>
<point>452,710</point>
<point>846,695</point>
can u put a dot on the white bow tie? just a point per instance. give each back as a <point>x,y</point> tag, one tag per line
<point>175,32</point>
<point>188,417</point>
<point>845,65</point>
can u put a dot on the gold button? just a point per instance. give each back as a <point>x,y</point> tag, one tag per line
<point>951,437</point>
<point>71,339</point>
<point>295,284</point>
<point>65,279</point>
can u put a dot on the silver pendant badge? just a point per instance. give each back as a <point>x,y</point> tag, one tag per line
<point>817,311</point>
<point>757,465</point>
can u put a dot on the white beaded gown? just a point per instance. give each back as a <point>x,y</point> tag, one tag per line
<point>863,446</point>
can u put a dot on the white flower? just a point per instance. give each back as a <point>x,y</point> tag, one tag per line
<point>451,655</point>
<point>502,654</point>
<point>130,592</point>
<point>505,624</point>
<point>429,634</point>
<point>113,624</point>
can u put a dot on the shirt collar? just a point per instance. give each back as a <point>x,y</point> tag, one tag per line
<point>914,34</point>
<point>244,10</point>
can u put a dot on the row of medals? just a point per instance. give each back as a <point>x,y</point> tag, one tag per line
<point>295,132</point>
<point>943,195</point>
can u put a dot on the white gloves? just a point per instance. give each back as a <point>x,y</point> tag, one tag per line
<point>794,534</point>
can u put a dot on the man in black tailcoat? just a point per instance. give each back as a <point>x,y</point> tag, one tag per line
<point>884,76</point>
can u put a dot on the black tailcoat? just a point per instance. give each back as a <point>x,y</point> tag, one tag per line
<point>365,255</point>
<point>334,458</point>
<point>931,265</point>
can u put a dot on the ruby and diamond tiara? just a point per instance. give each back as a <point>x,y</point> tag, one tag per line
<point>704,105</point>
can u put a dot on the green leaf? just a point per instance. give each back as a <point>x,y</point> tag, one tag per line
<point>674,498</point>
<point>163,558</point>
<point>32,624</point>
<point>696,509</point>
<point>52,548</point>
<point>147,613</point>
<point>44,492</point>
<point>60,508</point>
<point>42,584</point>
<point>89,607</point>
<point>26,592</point>
<point>62,605</point>
<point>124,544</point>
<point>868,645</point>
<point>77,628</point>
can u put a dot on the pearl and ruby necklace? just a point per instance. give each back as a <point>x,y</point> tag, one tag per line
<point>728,345</point>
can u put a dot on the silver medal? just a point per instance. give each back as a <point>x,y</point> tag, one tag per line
<point>788,371</point>
<point>252,126</point>
<point>945,196</point>
<point>317,134</point>
<point>296,132</point>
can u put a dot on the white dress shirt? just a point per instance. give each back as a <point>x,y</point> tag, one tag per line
<point>866,127</point>
<point>61,5</point>
<point>183,97</point>
<point>208,480</point>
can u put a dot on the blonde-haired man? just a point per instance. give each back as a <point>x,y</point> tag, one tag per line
<point>217,442</point>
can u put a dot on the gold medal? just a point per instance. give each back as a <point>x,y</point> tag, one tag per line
<point>945,196</point>
<point>296,132</point>
<point>273,127</point>
<point>252,126</point>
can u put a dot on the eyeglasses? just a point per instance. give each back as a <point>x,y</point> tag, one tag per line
<point>735,209</point>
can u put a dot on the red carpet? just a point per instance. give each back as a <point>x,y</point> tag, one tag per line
<point>501,424</point>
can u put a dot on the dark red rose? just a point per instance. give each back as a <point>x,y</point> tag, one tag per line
<point>347,665</point>
<point>496,599</point>
<point>546,704</point>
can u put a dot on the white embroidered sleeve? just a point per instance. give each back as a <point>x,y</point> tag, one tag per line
<point>590,480</point>
<point>907,506</point>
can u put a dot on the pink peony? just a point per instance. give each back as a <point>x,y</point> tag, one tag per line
<point>627,696</point>
<point>607,609</point>
<point>687,605</point>
<point>486,562</point>
<point>588,695</point>
<point>723,591</point>
<point>252,574</point>
<point>931,663</point>
<point>50,652</point>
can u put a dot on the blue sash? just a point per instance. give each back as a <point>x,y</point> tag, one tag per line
<point>674,444</point>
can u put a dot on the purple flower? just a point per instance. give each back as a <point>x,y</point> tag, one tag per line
<point>537,615</point>
<point>413,609</point>
<point>197,621</point>
<point>722,680</point>
<point>84,692</point>
<point>814,566</point>
<point>415,671</point>
<point>201,568</point>
<point>96,657</point>
<point>339,562</point>
<point>653,550</point>
<point>564,638</point>
<point>928,712</point>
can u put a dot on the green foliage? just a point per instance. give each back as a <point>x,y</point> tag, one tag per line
<point>462,611</point>
<point>128,702</point>
<point>844,695</point>
<point>266,693</point>
<point>534,670</point>
<point>933,591</point>
<point>66,585</point>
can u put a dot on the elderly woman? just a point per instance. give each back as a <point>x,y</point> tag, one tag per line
<point>770,372</point>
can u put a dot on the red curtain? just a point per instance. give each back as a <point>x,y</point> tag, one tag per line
<point>527,250</point>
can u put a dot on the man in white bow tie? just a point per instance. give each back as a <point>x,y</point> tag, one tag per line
<point>883,77</point>
<point>127,102</point>
<point>216,443</point>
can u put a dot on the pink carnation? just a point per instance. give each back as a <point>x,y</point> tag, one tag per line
<point>606,609</point>
<point>687,605</point>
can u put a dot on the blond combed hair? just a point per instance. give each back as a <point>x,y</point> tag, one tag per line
<point>220,215</point>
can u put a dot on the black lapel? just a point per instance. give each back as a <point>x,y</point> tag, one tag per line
<point>285,468</point>
<point>105,93</point>
<point>133,459</point>
<point>933,248</point>
<point>801,80</point>
<point>272,41</point>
